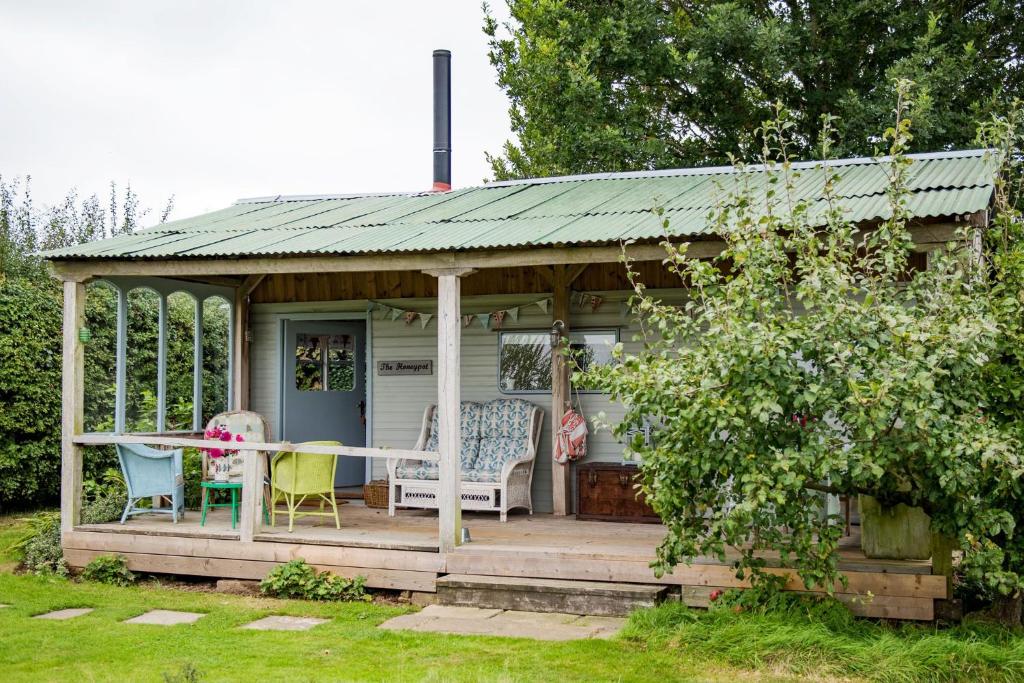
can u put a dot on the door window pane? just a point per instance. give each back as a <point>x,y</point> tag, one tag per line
<point>309,366</point>
<point>524,362</point>
<point>325,362</point>
<point>341,363</point>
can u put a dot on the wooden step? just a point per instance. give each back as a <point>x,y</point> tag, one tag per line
<point>547,595</point>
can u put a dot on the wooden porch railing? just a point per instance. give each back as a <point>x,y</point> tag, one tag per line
<point>252,470</point>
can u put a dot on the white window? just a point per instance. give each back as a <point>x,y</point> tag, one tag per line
<point>524,358</point>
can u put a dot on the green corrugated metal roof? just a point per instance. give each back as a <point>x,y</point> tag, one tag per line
<point>593,209</point>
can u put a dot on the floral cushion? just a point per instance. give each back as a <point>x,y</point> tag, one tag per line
<point>494,453</point>
<point>470,424</point>
<point>481,476</point>
<point>416,469</point>
<point>505,418</point>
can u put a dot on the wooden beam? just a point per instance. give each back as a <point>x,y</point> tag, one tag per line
<point>72,401</point>
<point>251,521</point>
<point>575,272</point>
<point>250,283</point>
<point>197,367</point>
<point>194,267</point>
<point>121,361</point>
<point>105,439</point>
<point>375,263</point>
<point>560,480</point>
<point>161,365</point>
<point>546,275</point>
<point>239,369</point>
<point>449,511</point>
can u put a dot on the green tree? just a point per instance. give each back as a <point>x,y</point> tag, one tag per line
<point>645,84</point>
<point>807,360</point>
<point>30,339</point>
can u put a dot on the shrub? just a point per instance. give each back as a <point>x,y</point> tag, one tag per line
<point>41,550</point>
<point>30,369</point>
<point>296,579</point>
<point>109,569</point>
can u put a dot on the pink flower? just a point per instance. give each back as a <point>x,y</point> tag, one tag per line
<point>225,435</point>
<point>215,453</point>
<point>238,437</point>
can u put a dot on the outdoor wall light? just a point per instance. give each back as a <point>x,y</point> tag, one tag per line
<point>557,328</point>
<point>84,335</point>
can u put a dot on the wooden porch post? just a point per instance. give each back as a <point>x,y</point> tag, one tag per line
<point>251,521</point>
<point>197,369</point>
<point>72,395</point>
<point>240,343</point>
<point>560,481</point>
<point>449,440</point>
<point>121,361</point>
<point>161,366</point>
<point>238,311</point>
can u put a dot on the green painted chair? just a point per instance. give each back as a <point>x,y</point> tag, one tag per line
<point>296,476</point>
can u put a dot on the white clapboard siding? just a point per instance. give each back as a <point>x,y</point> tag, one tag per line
<point>398,401</point>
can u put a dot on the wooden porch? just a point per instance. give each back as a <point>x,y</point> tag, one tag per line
<point>402,553</point>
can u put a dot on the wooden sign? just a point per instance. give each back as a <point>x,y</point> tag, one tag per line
<point>405,367</point>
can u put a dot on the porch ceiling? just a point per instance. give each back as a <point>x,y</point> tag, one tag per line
<point>576,210</point>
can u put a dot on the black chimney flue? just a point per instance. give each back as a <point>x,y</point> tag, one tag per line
<point>442,120</point>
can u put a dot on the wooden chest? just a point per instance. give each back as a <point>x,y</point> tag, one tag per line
<point>605,491</point>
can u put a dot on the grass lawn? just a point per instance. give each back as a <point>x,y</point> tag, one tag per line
<point>670,643</point>
<point>97,647</point>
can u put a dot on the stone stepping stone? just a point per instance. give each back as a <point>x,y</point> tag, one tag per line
<point>507,623</point>
<point>166,617</point>
<point>62,614</point>
<point>283,623</point>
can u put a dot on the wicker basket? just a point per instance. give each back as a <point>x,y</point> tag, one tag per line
<point>375,494</point>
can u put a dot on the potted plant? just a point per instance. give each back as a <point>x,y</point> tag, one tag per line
<point>220,458</point>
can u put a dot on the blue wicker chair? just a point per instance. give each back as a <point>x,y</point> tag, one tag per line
<point>150,472</point>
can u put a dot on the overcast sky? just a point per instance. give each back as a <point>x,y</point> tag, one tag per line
<point>216,100</point>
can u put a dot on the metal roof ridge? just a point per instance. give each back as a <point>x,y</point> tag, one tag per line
<point>722,170</point>
<point>319,197</point>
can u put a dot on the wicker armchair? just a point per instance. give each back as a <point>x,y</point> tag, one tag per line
<point>297,476</point>
<point>151,472</point>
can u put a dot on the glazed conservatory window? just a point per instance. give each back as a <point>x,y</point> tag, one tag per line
<point>524,358</point>
<point>325,362</point>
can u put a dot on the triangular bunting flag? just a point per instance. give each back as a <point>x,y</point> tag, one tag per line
<point>485,320</point>
<point>543,304</point>
<point>499,318</point>
<point>425,320</point>
<point>409,316</point>
<point>467,320</point>
<point>396,313</point>
<point>513,313</point>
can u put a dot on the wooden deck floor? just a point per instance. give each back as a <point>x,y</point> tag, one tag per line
<point>401,552</point>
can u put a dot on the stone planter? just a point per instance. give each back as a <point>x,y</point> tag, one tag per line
<point>894,533</point>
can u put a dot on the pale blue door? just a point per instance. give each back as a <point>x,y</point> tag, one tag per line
<point>324,396</point>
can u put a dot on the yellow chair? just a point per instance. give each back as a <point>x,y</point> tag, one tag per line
<point>296,476</point>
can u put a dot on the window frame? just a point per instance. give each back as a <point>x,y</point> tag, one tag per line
<point>325,364</point>
<point>546,333</point>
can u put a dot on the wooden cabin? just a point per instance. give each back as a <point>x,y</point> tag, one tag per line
<point>433,293</point>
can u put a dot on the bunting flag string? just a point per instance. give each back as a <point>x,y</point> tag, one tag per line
<point>493,320</point>
<point>489,320</point>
